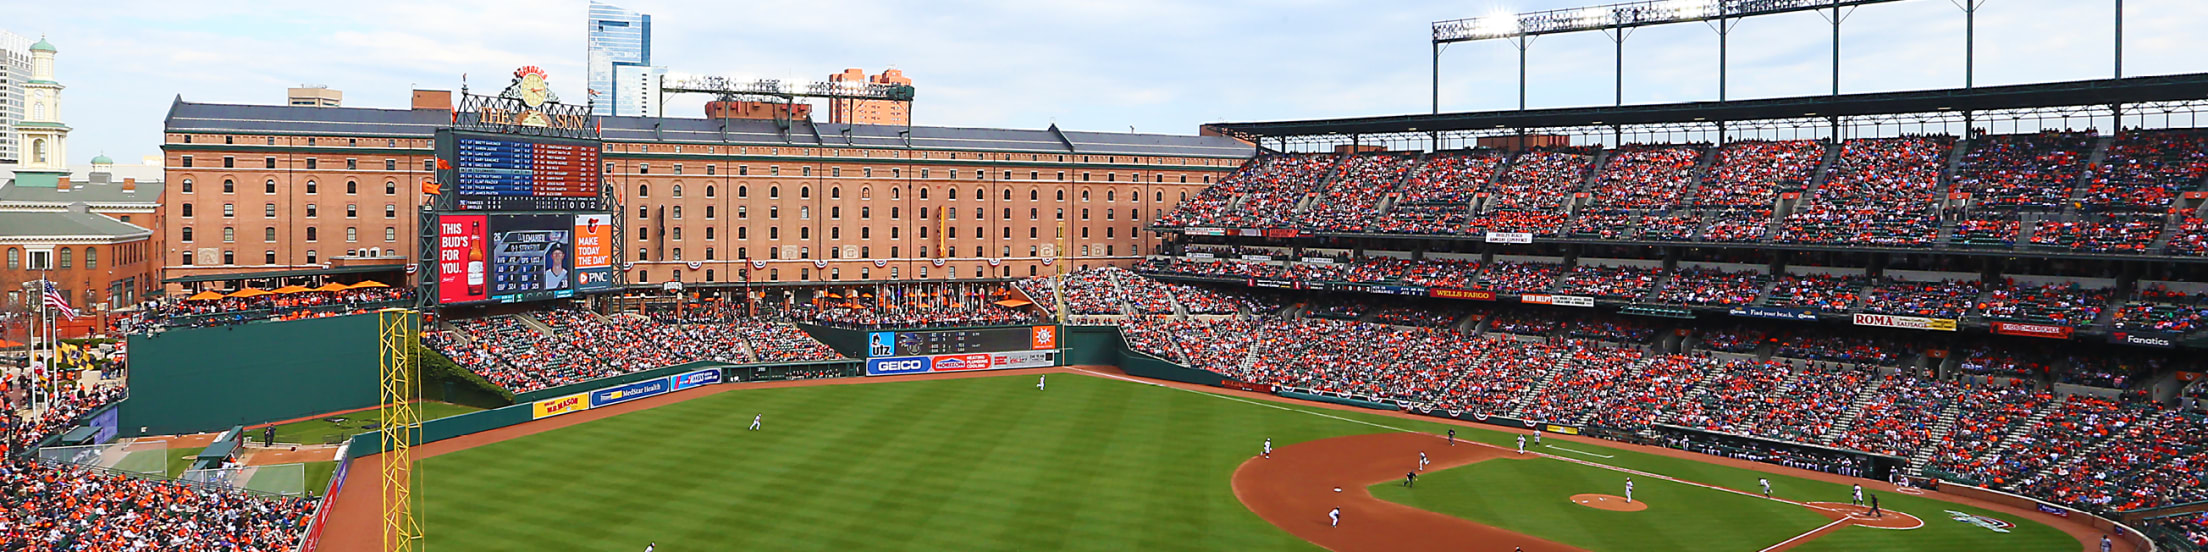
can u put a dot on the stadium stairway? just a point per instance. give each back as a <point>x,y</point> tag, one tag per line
<point>1863,399</point>
<point>534,324</point>
<point>2030,424</point>
<point>2079,185</point>
<point>1938,435</point>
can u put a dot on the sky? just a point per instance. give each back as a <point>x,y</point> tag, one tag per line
<point>1113,65</point>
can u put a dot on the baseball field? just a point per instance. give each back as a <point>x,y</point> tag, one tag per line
<point>1095,462</point>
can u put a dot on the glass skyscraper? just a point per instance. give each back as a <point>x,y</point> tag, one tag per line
<point>616,37</point>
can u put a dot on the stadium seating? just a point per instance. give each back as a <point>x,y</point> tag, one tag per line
<point>2158,308</point>
<point>1348,202</point>
<point>60,507</point>
<point>1941,299</point>
<point>2145,171</point>
<point>1612,282</point>
<point>1751,174</point>
<point>1881,192</point>
<point>2029,171</point>
<point>1713,288</point>
<point>1263,193</point>
<point>583,346</point>
<point>2067,304</point>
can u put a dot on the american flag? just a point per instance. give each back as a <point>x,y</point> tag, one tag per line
<point>56,302</point>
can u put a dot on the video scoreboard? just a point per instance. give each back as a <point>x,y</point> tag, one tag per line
<point>524,173</point>
<point>955,342</point>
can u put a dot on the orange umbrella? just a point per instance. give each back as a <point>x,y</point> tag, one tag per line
<point>332,286</point>
<point>249,292</point>
<point>293,289</point>
<point>1014,303</point>
<point>369,284</point>
<point>204,296</point>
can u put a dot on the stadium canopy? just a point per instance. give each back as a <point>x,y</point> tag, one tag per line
<point>234,276</point>
<point>2134,90</point>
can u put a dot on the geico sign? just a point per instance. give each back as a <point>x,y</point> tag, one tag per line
<point>895,366</point>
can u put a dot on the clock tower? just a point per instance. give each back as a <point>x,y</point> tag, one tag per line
<point>42,137</point>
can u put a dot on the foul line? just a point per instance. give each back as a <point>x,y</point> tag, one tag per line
<point>1580,451</point>
<point>1782,544</point>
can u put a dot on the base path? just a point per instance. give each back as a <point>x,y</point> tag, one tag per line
<point>1298,486</point>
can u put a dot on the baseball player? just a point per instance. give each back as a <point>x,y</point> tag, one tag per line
<point>1410,479</point>
<point>1452,437</point>
<point>1875,512</point>
<point>1628,489</point>
<point>1335,516</point>
<point>755,422</point>
<point>1268,447</point>
<point>1422,462</point>
<point>650,547</point>
<point>1859,495</point>
<point>1766,483</point>
<point>1039,381</point>
<point>1537,438</point>
<point>1521,444</point>
<point>2105,544</point>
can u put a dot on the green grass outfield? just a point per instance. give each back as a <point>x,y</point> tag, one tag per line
<point>993,464</point>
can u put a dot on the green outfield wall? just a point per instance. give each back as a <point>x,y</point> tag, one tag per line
<point>209,379</point>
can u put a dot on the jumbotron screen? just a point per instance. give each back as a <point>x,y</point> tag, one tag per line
<point>952,342</point>
<point>495,172</point>
<point>511,258</point>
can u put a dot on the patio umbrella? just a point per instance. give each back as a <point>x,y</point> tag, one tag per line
<point>249,292</point>
<point>205,296</point>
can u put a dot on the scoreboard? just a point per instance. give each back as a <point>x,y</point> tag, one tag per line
<point>955,342</point>
<point>524,173</point>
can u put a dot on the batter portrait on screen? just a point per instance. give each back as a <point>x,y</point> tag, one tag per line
<point>555,267</point>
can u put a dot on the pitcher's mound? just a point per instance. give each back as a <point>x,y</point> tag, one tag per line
<point>1608,502</point>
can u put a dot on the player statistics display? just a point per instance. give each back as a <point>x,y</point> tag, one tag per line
<point>513,258</point>
<point>492,172</point>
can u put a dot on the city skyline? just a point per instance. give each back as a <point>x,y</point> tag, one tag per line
<point>1156,67</point>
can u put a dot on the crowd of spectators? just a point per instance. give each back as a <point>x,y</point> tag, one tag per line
<point>2127,233</point>
<point>583,346</point>
<point>1610,328</point>
<point>187,313</point>
<point>2065,303</point>
<point>1614,282</point>
<point>1899,418</point>
<point>1712,287</point>
<point>57,507</point>
<point>1881,192</point>
<point>1751,174</point>
<point>2023,171</point>
<point>2190,528</point>
<point>1451,178</point>
<point>1645,177</point>
<point>2190,238</point>
<point>1540,180</point>
<point>1940,299</point>
<point>71,404</point>
<point>1736,339</point>
<point>1992,413</point>
<point>1262,193</point>
<point>1348,202</point>
<point>1824,292</point>
<point>2158,308</point>
<point>1520,277</point>
<point>2146,170</point>
<point>916,306</point>
<point>1842,347</point>
<point>1986,359</point>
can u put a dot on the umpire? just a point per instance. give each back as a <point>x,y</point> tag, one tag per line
<point>1410,479</point>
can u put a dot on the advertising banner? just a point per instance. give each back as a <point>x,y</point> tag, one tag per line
<point>630,392</point>
<point>960,363</point>
<point>559,405</point>
<point>1205,231</point>
<point>1905,322</point>
<point>1567,430</point>
<point>1396,290</point>
<point>2049,331</point>
<point>1473,294</point>
<point>896,366</point>
<point>1558,300</point>
<point>1200,255</point>
<point>1318,260</point>
<point>463,258</point>
<point>1249,232</point>
<point>1281,233</point>
<point>1509,237</point>
<point>593,252</point>
<point>1246,386</point>
<point>1258,258</point>
<point>1774,312</point>
<point>1020,359</point>
<point>532,257</point>
<point>1272,283</point>
<point>1042,337</point>
<point>2144,339</point>
<point>881,344</point>
<point>699,378</point>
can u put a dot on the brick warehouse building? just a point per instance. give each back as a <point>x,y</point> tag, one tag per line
<point>264,188</point>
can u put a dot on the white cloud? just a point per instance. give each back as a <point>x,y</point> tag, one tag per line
<point>1157,65</point>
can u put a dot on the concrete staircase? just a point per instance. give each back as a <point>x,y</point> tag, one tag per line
<point>2083,181</point>
<point>1863,400</point>
<point>1940,431</point>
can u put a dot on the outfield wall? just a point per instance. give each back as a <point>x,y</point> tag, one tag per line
<point>208,379</point>
<point>598,393</point>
